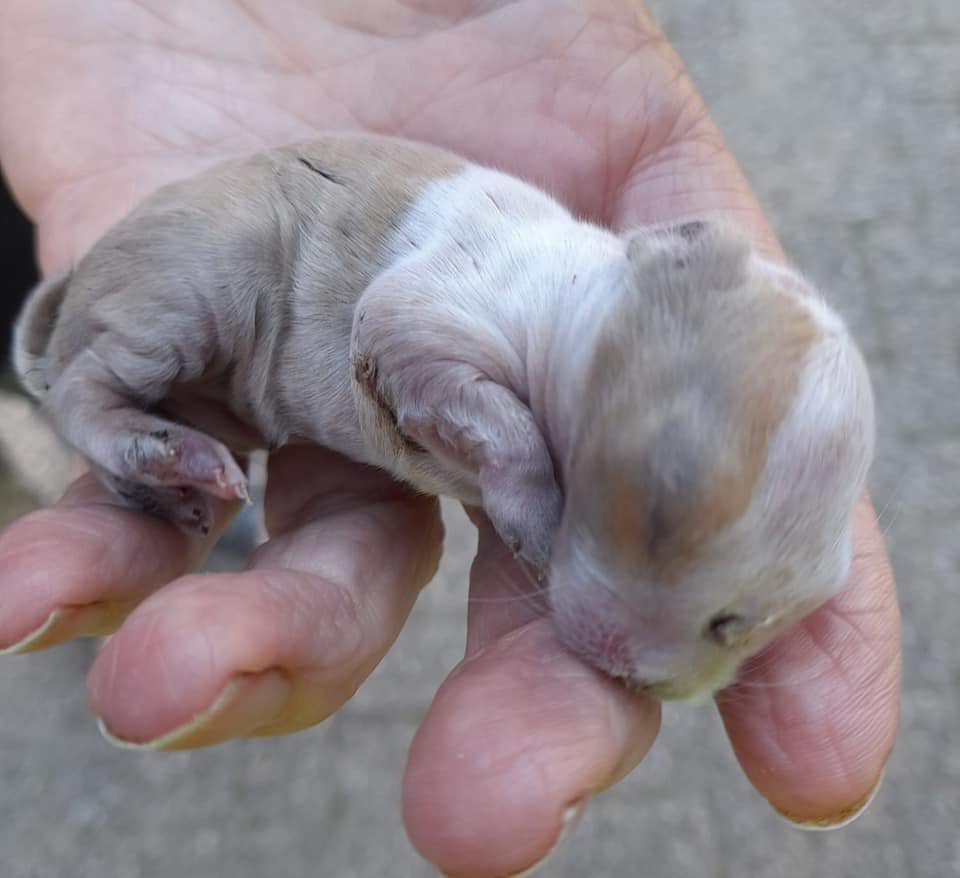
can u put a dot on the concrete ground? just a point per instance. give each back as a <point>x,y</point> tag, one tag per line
<point>846,118</point>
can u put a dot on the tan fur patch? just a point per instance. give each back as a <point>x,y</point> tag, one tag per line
<point>367,184</point>
<point>781,335</point>
<point>328,206</point>
<point>364,187</point>
<point>781,332</point>
<point>690,380</point>
<point>628,523</point>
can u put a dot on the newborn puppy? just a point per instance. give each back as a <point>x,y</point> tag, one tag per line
<point>673,428</point>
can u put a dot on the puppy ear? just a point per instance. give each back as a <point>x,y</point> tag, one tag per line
<point>704,253</point>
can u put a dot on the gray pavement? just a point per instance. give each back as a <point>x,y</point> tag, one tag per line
<point>846,118</point>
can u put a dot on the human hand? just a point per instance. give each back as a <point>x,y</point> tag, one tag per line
<point>100,106</point>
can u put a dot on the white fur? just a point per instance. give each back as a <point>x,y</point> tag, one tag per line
<point>488,284</point>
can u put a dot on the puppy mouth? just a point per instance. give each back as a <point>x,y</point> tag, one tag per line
<point>695,690</point>
<point>664,690</point>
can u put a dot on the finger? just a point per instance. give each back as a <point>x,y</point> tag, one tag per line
<point>814,718</point>
<point>507,593</point>
<point>285,643</point>
<point>691,174</point>
<point>681,167</point>
<point>518,738</point>
<point>79,567</point>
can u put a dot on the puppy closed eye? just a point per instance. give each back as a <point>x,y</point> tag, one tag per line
<point>728,629</point>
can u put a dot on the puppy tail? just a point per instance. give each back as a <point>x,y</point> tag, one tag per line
<point>32,331</point>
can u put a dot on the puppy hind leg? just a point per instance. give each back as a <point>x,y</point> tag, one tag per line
<point>94,410</point>
<point>186,507</point>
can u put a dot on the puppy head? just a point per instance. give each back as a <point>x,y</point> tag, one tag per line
<point>726,435</point>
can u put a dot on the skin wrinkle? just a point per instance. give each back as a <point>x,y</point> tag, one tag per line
<point>837,738</point>
<point>343,636</point>
<point>295,595</point>
<point>784,722</point>
<point>782,726</point>
<point>349,640</point>
<point>169,22</point>
<point>173,684</point>
<point>823,641</point>
<point>287,51</point>
<point>113,668</point>
<point>610,195</point>
<point>183,86</point>
<point>505,75</point>
<point>574,38</point>
<point>847,619</point>
<point>183,132</point>
<point>665,112</point>
<point>617,30</point>
<point>701,151</point>
<point>207,97</point>
<point>636,176</point>
<point>179,27</point>
<point>653,208</point>
<point>472,11</point>
<point>339,643</point>
<point>154,622</point>
<point>180,87</point>
<point>315,508</point>
<point>445,89</point>
<point>691,125</point>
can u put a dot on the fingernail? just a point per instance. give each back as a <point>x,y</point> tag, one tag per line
<point>67,623</point>
<point>837,820</point>
<point>246,703</point>
<point>571,818</point>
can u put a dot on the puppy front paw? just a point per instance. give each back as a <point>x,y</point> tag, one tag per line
<point>525,514</point>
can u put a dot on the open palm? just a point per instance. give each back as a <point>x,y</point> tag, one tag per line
<point>99,105</point>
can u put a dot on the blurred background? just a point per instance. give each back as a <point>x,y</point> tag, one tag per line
<point>846,119</point>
